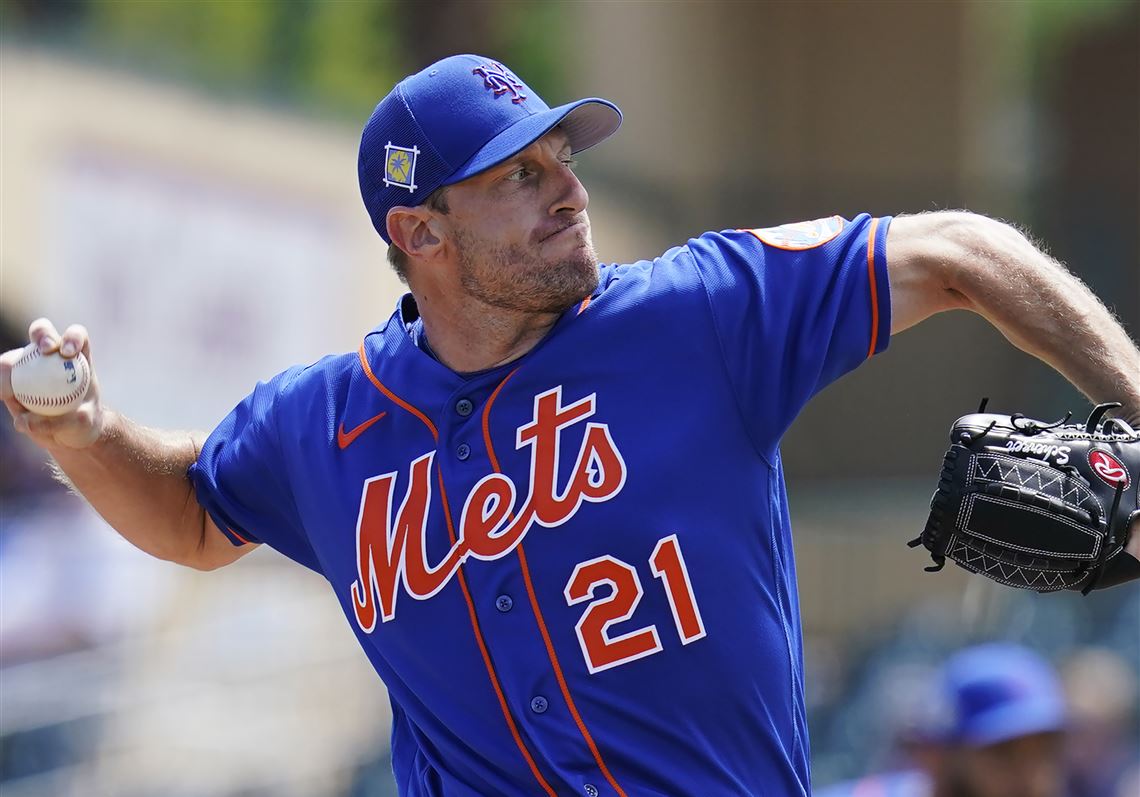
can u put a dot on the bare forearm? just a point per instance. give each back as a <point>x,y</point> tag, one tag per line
<point>1047,312</point>
<point>958,260</point>
<point>135,478</point>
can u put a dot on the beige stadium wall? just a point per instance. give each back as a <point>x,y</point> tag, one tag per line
<point>220,239</point>
<point>207,244</point>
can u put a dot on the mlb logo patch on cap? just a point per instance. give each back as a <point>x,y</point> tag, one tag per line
<point>400,166</point>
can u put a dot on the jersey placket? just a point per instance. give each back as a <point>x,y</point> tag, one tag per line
<point>509,615</point>
<point>447,454</point>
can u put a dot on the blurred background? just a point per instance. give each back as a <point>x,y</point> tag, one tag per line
<point>181,177</point>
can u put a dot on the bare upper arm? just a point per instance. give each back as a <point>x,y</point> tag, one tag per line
<point>921,260</point>
<point>215,549</point>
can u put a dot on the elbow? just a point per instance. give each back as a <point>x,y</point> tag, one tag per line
<point>195,543</point>
<point>206,560</point>
<point>976,236</point>
<point>195,558</point>
<point>974,254</point>
<point>202,564</point>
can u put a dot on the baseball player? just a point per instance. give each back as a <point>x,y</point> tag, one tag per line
<point>547,494</point>
<point>994,727</point>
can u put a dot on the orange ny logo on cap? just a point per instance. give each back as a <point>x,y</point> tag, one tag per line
<point>500,80</point>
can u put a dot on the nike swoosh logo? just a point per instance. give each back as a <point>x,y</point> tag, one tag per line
<point>345,439</point>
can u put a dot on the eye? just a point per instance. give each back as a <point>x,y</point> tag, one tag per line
<point>519,174</point>
<point>570,162</point>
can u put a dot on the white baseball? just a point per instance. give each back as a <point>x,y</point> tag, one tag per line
<point>49,384</point>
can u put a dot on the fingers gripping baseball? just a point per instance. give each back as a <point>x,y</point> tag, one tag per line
<point>40,404</point>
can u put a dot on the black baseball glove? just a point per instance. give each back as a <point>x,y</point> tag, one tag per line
<point>1042,506</point>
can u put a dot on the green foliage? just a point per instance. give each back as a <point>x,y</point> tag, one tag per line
<point>1053,19</point>
<point>337,55</point>
<point>536,50</point>
<point>217,41</point>
<point>352,53</point>
<point>1051,23</point>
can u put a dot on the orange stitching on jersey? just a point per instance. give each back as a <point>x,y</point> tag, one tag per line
<point>585,303</point>
<point>399,401</point>
<point>874,287</point>
<point>546,787</point>
<point>562,685</point>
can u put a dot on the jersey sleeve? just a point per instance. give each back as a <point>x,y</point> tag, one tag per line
<point>241,480</point>
<point>795,307</point>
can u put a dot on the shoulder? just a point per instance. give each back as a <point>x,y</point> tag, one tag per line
<point>830,236</point>
<point>678,264</point>
<point>307,388</point>
<point>725,263</point>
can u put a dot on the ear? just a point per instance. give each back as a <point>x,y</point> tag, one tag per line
<point>412,230</point>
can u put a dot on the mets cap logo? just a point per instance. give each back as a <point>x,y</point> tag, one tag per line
<point>801,234</point>
<point>400,166</point>
<point>499,80</point>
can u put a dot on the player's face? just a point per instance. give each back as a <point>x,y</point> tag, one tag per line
<point>1030,766</point>
<point>520,231</point>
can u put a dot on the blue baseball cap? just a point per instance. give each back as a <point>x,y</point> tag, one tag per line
<point>996,692</point>
<point>454,119</point>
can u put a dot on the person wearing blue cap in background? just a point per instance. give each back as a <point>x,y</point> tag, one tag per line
<point>547,493</point>
<point>994,728</point>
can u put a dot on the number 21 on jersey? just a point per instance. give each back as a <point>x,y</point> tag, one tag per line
<point>603,651</point>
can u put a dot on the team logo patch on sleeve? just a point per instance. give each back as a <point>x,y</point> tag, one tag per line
<point>801,234</point>
<point>400,166</point>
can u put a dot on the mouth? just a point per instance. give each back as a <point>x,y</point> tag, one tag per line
<point>576,228</point>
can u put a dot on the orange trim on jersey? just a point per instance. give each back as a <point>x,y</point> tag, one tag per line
<point>565,689</point>
<point>562,679</point>
<point>399,401</point>
<point>585,303</point>
<point>874,286</point>
<point>486,419</point>
<point>756,233</point>
<point>546,787</point>
<point>244,541</point>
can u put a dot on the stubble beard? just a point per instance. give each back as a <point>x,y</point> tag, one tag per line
<point>511,278</point>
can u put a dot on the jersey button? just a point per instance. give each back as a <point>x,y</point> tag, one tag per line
<point>591,790</point>
<point>538,704</point>
<point>504,603</point>
<point>463,451</point>
<point>464,407</point>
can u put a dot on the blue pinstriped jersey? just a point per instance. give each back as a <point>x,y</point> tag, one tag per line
<point>574,572</point>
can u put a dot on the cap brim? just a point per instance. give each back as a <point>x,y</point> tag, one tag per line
<point>585,122</point>
<point>1013,721</point>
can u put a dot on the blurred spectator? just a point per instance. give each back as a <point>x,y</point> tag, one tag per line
<point>994,728</point>
<point>1101,749</point>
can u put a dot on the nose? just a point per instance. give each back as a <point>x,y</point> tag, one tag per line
<point>572,198</point>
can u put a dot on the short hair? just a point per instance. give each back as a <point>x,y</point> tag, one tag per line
<point>397,257</point>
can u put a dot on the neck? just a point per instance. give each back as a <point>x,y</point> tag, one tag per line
<point>468,335</point>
